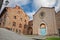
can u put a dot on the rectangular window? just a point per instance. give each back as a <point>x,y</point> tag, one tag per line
<point>14,17</point>
<point>21,19</point>
<point>25,20</point>
<point>20,25</point>
<point>14,23</point>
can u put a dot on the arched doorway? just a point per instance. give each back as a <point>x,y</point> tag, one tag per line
<point>42,29</point>
<point>25,29</point>
<point>59,31</point>
<point>30,30</point>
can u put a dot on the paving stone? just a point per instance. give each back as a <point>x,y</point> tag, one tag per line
<point>9,35</point>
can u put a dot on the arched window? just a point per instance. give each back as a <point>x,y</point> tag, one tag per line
<point>21,19</point>
<point>25,26</point>
<point>20,25</point>
<point>14,23</point>
<point>14,17</point>
<point>25,21</point>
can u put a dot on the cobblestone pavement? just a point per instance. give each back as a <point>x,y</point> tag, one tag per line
<point>8,35</point>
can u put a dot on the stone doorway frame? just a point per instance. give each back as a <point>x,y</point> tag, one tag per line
<point>46,27</point>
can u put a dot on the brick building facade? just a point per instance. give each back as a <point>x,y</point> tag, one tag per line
<point>30,27</point>
<point>14,19</point>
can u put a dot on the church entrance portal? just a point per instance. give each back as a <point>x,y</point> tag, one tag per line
<point>42,29</point>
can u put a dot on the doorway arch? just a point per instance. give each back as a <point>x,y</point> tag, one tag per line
<point>42,25</point>
<point>30,30</point>
<point>43,28</point>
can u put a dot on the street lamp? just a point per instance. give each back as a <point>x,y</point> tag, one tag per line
<point>6,2</point>
<point>1,2</point>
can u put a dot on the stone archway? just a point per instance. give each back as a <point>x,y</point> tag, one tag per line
<point>30,31</point>
<point>59,32</point>
<point>42,29</point>
<point>25,29</point>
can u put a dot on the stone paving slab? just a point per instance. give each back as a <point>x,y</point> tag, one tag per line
<point>8,35</point>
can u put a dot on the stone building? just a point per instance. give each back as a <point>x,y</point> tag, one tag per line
<point>14,19</point>
<point>44,22</point>
<point>30,27</point>
<point>58,21</point>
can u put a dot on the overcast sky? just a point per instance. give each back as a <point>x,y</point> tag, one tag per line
<point>31,6</point>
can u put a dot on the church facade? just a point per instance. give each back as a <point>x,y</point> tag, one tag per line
<point>44,22</point>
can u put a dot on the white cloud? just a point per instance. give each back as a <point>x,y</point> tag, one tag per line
<point>23,2</point>
<point>30,14</point>
<point>44,3</point>
<point>11,2</point>
<point>57,7</point>
<point>18,2</point>
<point>37,4</point>
<point>47,3</point>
